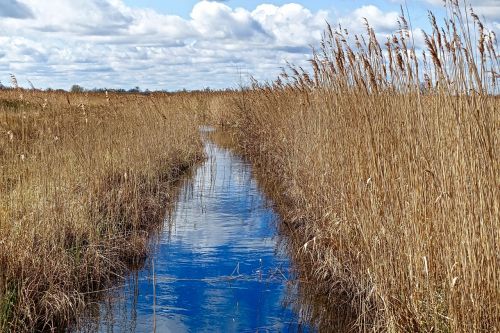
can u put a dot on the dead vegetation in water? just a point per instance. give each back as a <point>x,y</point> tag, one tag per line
<point>386,169</point>
<point>83,179</point>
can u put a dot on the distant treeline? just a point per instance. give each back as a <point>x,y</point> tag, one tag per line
<point>136,90</point>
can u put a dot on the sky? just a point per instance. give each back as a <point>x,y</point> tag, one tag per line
<point>184,44</point>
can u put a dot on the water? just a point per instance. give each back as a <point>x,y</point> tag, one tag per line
<point>216,266</point>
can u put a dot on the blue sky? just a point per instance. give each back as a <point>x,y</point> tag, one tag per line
<point>165,44</point>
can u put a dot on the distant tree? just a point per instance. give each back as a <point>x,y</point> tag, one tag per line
<point>135,90</point>
<point>77,89</point>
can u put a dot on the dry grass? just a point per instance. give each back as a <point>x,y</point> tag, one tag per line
<point>385,169</point>
<point>390,187</point>
<point>83,179</point>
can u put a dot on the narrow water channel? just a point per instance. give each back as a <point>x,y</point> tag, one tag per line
<point>216,266</point>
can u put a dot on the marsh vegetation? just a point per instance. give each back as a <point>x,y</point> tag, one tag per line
<point>83,178</point>
<point>386,164</point>
<point>382,160</point>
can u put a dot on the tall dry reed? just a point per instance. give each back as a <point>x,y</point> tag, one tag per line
<point>83,179</point>
<point>386,169</point>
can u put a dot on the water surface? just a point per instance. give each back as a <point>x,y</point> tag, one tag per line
<point>216,266</point>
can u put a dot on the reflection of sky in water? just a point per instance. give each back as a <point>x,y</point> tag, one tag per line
<point>216,264</point>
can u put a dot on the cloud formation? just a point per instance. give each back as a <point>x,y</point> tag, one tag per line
<point>105,43</point>
<point>100,43</point>
<point>383,23</point>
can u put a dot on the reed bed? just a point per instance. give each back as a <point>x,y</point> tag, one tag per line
<point>384,163</point>
<point>382,160</point>
<point>84,179</point>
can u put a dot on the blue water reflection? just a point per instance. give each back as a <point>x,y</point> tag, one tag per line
<point>216,265</point>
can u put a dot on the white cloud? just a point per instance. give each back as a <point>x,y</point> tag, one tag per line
<point>105,43</point>
<point>217,20</point>
<point>381,22</point>
<point>291,24</point>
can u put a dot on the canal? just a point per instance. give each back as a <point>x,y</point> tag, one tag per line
<point>216,265</point>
